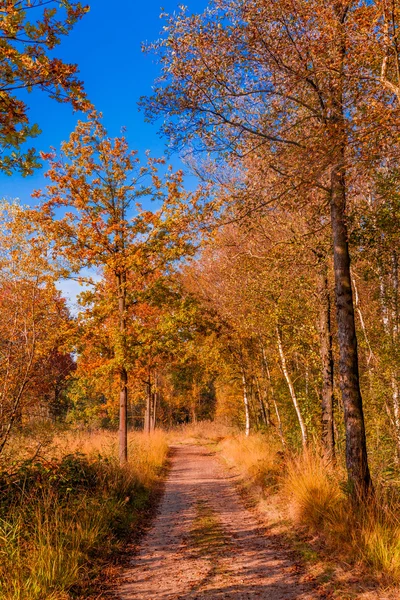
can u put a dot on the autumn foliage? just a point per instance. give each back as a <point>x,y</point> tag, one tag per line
<point>29,32</point>
<point>268,298</point>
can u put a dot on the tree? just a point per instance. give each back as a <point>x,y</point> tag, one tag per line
<point>101,181</point>
<point>262,292</point>
<point>29,32</point>
<point>283,81</point>
<point>34,322</point>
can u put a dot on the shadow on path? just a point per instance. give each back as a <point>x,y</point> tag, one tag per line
<point>248,563</point>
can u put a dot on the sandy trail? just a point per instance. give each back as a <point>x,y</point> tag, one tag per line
<point>205,544</point>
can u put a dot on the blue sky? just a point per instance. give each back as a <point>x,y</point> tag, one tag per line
<point>106,45</point>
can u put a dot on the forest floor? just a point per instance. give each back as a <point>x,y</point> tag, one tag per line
<point>205,543</point>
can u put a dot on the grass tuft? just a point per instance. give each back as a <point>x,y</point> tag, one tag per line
<point>257,457</point>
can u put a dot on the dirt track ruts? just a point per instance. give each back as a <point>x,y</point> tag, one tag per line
<point>247,563</point>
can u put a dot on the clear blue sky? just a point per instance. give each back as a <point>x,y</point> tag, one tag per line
<point>106,45</point>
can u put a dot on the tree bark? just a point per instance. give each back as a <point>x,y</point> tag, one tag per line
<point>246,403</point>
<point>395,330</point>
<point>327,420</point>
<point>123,417</point>
<point>268,374</point>
<point>264,405</point>
<point>148,413</point>
<point>123,394</point>
<point>356,447</point>
<point>155,402</point>
<point>390,328</point>
<point>291,389</point>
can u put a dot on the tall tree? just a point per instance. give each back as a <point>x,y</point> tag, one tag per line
<point>101,181</point>
<point>283,81</point>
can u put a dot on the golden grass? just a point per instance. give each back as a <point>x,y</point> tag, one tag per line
<point>146,453</point>
<point>201,432</point>
<point>257,457</point>
<point>314,494</point>
<point>69,509</point>
<point>312,486</point>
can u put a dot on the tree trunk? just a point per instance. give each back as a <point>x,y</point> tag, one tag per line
<point>246,403</point>
<point>396,413</point>
<point>356,447</point>
<point>155,399</point>
<point>194,401</point>
<point>148,413</point>
<point>390,328</point>
<point>278,417</point>
<point>395,330</point>
<point>123,394</point>
<point>395,311</point>
<point>123,417</point>
<point>291,389</point>
<point>264,406</point>
<point>327,432</point>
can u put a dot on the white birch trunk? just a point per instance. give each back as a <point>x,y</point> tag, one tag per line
<point>291,389</point>
<point>246,404</point>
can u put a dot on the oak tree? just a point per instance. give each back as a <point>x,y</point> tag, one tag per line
<point>91,210</point>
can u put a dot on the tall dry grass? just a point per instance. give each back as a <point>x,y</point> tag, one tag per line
<point>370,534</point>
<point>65,512</point>
<point>257,457</point>
<point>313,492</point>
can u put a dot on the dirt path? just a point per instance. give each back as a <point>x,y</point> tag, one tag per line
<point>205,544</point>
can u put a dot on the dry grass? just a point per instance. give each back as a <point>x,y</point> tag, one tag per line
<point>203,432</point>
<point>314,494</point>
<point>67,511</point>
<point>146,453</point>
<point>257,457</point>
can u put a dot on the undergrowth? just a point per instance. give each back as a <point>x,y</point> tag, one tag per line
<point>67,510</point>
<point>367,534</point>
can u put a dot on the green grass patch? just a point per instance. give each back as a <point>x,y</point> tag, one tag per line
<point>207,535</point>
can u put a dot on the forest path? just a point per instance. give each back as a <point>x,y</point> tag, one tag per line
<point>205,544</point>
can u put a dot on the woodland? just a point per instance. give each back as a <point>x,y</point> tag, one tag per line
<point>266,299</point>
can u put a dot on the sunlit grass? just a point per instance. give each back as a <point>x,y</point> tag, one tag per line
<point>314,494</point>
<point>369,533</point>
<point>66,511</point>
<point>257,457</point>
<point>201,432</point>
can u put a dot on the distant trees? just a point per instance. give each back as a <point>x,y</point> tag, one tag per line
<point>262,294</point>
